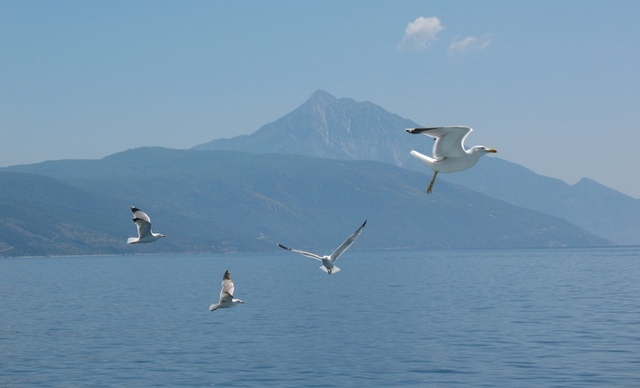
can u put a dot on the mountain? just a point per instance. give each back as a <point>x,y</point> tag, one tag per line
<point>217,201</point>
<point>588,204</point>
<point>43,216</point>
<point>327,127</point>
<point>307,179</point>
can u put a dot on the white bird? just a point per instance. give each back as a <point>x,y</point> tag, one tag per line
<point>143,222</point>
<point>328,261</point>
<point>449,154</point>
<point>226,294</point>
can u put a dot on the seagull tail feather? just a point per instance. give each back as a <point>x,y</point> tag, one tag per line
<point>429,161</point>
<point>333,270</point>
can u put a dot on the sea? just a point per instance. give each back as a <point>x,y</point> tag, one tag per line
<point>449,318</point>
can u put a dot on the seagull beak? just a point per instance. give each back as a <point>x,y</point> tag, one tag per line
<point>492,150</point>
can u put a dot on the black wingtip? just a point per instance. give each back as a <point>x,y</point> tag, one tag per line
<point>416,131</point>
<point>364,223</point>
<point>283,247</point>
<point>134,209</point>
<point>226,275</point>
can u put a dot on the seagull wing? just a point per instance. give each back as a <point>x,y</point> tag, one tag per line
<point>144,227</point>
<point>345,245</point>
<point>227,290</point>
<point>137,213</point>
<point>226,293</point>
<point>308,254</point>
<point>449,140</point>
<point>142,220</point>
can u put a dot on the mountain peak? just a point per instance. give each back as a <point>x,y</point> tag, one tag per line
<point>321,101</point>
<point>329,127</point>
<point>321,95</point>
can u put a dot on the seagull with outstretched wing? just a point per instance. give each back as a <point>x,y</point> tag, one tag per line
<point>328,262</point>
<point>143,222</point>
<point>449,154</point>
<point>226,294</point>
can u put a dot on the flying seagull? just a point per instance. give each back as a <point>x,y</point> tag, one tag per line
<point>449,154</point>
<point>143,222</point>
<point>329,261</point>
<point>226,294</point>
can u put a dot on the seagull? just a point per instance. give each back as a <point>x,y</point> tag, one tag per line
<point>143,222</point>
<point>226,294</point>
<point>449,154</point>
<point>328,261</point>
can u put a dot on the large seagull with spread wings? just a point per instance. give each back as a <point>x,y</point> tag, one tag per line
<point>449,154</point>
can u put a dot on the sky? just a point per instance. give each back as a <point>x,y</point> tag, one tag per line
<point>553,85</point>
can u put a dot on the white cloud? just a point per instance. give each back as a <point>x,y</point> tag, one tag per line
<point>420,33</point>
<point>469,43</point>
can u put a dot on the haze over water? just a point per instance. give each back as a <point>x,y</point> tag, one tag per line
<point>562,317</point>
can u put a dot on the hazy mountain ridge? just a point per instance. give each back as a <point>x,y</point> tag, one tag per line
<point>43,216</point>
<point>216,201</point>
<point>247,200</point>
<point>328,127</point>
<point>588,204</point>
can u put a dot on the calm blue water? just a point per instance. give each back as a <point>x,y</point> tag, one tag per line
<point>441,318</point>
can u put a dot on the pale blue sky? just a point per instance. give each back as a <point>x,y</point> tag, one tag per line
<point>554,85</point>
